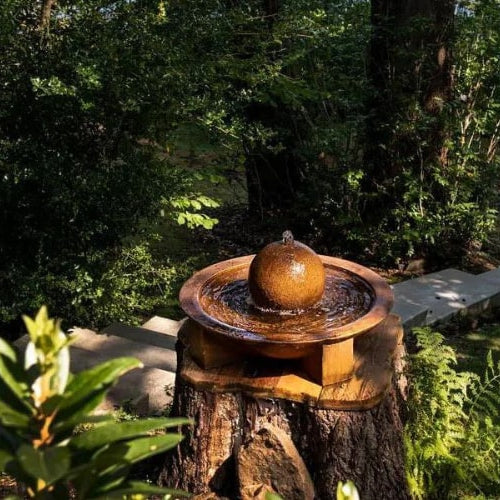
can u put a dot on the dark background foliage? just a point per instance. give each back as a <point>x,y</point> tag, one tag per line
<point>369,128</point>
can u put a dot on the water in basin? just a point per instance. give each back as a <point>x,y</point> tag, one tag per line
<point>226,298</point>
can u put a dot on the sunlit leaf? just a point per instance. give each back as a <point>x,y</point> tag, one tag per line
<point>120,431</point>
<point>135,487</point>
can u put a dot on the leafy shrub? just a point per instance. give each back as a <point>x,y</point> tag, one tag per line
<point>443,209</point>
<point>127,283</point>
<point>452,435</point>
<point>85,109</point>
<point>43,403</point>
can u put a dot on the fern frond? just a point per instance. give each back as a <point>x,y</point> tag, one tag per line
<point>452,437</point>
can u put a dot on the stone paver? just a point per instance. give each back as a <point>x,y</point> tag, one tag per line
<point>412,314</point>
<point>163,325</point>
<point>145,388</point>
<point>443,295</point>
<point>492,277</point>
<point>149,390</point>
<point>109,346</point>
<point>90,348</point>
<point>165,338</point>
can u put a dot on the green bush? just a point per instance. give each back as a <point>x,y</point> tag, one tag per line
<point>43,404</point>
<point>452,435</point>
<point>86,108</point>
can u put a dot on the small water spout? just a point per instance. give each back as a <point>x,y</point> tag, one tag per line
<point>288,237</point>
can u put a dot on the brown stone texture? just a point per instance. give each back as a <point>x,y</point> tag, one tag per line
<point>270,458</point>
<point>286,276</point>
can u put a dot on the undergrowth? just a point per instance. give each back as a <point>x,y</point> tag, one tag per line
<point>452,436</point>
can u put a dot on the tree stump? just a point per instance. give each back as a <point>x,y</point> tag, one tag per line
<point>243,442</point>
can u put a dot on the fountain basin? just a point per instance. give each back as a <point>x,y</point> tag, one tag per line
<point>355,301</point>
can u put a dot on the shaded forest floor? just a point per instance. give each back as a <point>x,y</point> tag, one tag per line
<point>239,234</point>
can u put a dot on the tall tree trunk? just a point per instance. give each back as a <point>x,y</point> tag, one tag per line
<point>410,68</point>
<point>45,14</point>
<point>273,177</point>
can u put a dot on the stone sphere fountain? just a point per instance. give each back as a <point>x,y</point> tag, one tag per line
<point>286,303</point>
<point>286,276</point>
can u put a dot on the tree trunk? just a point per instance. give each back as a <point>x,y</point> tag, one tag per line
<point>222,454</point>
<point>410,69</point>
<point>46,12</point>
<point>273,177</point>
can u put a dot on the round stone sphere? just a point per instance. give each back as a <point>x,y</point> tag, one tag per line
<point>286,275</point>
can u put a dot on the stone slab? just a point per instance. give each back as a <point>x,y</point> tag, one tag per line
<point>143,335</point>
<point>149,390</point>
<point>444,294</point>
<point>163,325</point>
<point>105,346</point>
<point>491,277</point>
<point>411,314</point>
<point>144,388</point>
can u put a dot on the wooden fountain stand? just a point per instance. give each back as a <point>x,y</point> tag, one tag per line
<point>352,374</point>
<point>263,424</point>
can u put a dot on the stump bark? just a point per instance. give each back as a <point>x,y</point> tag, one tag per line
<point>332,445</point>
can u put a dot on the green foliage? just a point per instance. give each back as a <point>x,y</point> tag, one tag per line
<point>444,205</point>
<point>184,207</point>
<point>134,282</point>
<point>267,85</point>
<point>91,110</point>
<point>452,435</point>
<point>42,405</point>
<point>345,491</point>
<point>295,84</point>
<point>85,111</point>
<point>126,283</point>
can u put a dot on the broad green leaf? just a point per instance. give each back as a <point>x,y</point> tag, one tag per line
<point>85,480</point>
<point>10,439</point>
<point>142,448</point>
<point>12,376</point>
<point>10,417</point>
<point>87,390</point>
<point>118,431</point>
<point>136,487</point>
<point>85,383</point>
<point>122,454</point>
<point>7,351</point>
<point>5,457</point>
<point>49,464</point>
<point>79,412</point>
<point>97,419</point>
